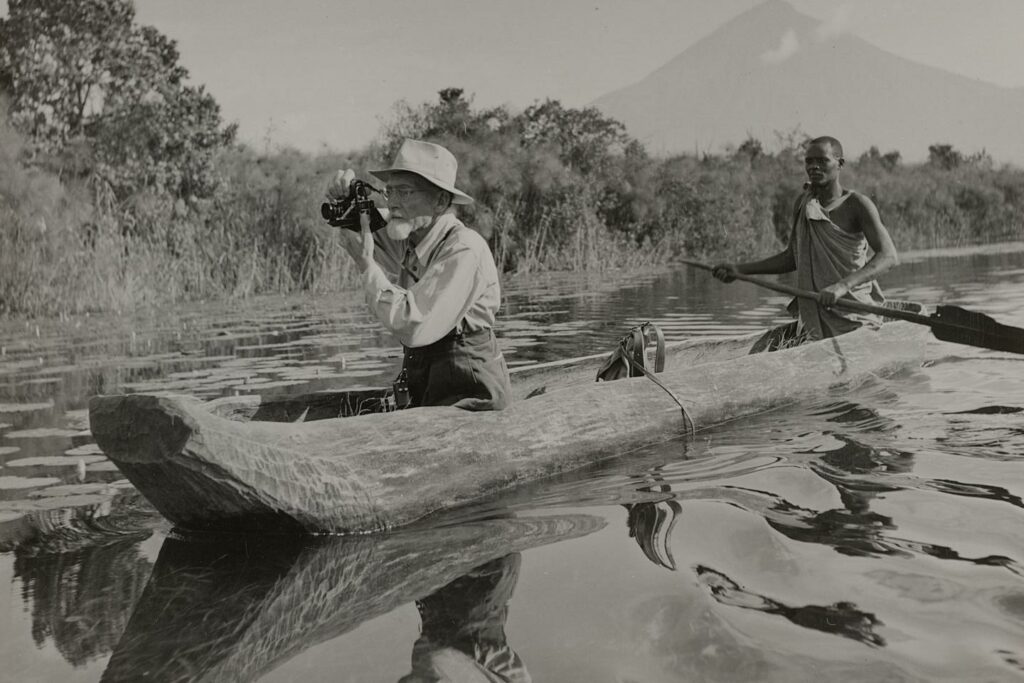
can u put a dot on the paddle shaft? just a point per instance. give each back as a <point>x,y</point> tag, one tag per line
<point>841,303</point>
<point>948,323</point>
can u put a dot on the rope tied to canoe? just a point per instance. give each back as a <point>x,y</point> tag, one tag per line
<point>629,359</point>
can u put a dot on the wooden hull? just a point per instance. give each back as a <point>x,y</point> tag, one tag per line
<point>371,472</point>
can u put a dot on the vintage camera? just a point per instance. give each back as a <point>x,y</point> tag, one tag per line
<point>344,212</point>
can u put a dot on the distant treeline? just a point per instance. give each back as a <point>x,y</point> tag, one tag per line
<point>120,185</point>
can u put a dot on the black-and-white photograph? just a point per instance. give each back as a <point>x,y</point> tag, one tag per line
<point>506,342</point>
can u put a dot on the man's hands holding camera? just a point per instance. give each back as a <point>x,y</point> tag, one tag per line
<point>339,186</point>
<point>358,245</point>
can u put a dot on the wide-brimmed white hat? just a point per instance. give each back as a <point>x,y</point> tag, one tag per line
<point>433,163</point>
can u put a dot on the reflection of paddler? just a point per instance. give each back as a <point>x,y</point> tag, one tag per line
<point>651,525</point>
<point>828,248</point>
<point>463,635</point>
<point>651,522</point>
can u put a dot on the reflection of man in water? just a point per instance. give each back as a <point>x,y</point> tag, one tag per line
<point>463,633</point>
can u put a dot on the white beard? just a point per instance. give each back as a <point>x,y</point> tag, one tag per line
<point>401,228</point>
<point>398,229</point>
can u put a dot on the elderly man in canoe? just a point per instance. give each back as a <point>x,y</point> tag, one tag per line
<point>828,248</point>
<point>432,282</point>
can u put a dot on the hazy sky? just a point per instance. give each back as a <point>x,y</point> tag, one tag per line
<point>314,73</point>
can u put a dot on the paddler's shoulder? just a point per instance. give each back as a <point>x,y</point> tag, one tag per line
<point>859,198</point>
<point>860,202</point>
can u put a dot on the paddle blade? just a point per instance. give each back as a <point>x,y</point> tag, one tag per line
<point>960,326</point>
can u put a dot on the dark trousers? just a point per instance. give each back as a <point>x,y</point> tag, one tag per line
<point>462,370</point>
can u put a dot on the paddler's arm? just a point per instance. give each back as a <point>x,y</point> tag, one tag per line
<point>878,238</point>
<point>783,262</point>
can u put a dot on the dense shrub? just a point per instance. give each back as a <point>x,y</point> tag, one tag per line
<point>65,247</point>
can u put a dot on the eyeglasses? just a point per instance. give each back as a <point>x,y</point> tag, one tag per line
<point>401,193</point>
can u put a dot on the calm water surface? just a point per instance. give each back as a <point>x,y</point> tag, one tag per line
<point>876,535</point>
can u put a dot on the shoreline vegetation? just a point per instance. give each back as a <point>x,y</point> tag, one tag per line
<point>121,188</point>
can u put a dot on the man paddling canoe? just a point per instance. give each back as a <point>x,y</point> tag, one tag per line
<point>832,229</point>
<point>443,291</point>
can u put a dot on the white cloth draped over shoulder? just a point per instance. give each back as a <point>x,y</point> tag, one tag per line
<point>825,254</point>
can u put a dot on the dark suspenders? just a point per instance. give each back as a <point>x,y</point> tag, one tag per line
<point>433,252</point>
<point>457,332</point>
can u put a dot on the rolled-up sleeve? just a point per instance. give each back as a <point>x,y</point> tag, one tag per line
<point>432,307</point>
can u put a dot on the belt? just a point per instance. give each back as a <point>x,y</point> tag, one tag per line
<point>445,343</point>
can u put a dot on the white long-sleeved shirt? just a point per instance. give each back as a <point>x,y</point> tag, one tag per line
<point>434,285</point>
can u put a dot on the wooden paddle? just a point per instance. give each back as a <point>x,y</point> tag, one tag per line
<point>948,323</point>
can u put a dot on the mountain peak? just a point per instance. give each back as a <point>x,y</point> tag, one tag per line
<point>773,69</point>
<point>770,17</point>
<point>771,31</point>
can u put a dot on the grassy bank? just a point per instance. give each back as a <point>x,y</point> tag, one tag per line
<point>594,202</point>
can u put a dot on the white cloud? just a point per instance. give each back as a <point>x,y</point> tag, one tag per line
<point>788,46</point>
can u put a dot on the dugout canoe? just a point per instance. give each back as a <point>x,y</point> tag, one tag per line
<point>212,466</point>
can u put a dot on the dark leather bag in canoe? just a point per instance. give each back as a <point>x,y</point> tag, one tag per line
<point>630,357</point>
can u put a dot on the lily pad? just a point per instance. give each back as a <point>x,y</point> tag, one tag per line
<point>278,383</point>
<point>105,466</point>
<point>40,380</point>
<point>158,385</point>
<point>189,374</point>
<point>24,407</point>
<point>86,449</point>
<point>253,380</point>
<point>54,461</point>
<point>59,502</point>
<point>16,483</point>
<point>73,490</point>
<point>41,433</point>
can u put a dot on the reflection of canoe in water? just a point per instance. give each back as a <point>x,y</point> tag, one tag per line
<point>223,609</point>
<point>203,470</point>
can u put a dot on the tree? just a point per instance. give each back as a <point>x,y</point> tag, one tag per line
<point>792,143</point>
<point>451,117</point>
<point>52,62</point>
<point>584,137</point>
<point>81,70</point>
<point>944,156</point>
<point>888,161</point>
<point>751,148</point>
